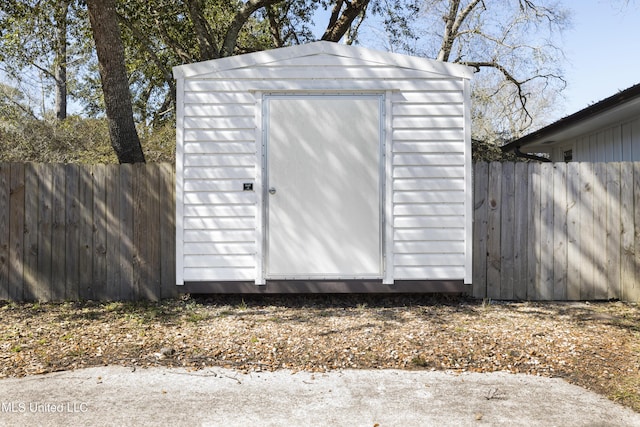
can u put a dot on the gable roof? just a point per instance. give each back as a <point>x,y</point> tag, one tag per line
<point>622,105</point>
<point>319,48</point>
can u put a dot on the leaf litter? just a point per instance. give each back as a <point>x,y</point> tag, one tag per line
<point>593,345</point>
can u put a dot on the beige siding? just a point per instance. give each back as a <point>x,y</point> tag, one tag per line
<point>617,143</point>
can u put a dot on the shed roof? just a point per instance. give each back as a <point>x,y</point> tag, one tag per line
<point>318,48</point>
<point>622,105</point>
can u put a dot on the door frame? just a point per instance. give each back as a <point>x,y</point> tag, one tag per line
<point>262,176</point>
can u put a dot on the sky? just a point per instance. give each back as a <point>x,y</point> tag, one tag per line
<point>602,50</point>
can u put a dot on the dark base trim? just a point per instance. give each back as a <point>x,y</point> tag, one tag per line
<point>326,287</point>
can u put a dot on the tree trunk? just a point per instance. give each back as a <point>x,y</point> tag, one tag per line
<point>115,85</point>
<point>340,24</point>
<point>238,22</point>
<point>449,35</point>
<point>60,64</point>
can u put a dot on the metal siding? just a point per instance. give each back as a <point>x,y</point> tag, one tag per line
<point>219,157</point>
<point>635,139</point>
<point>426,160</point>
<point>429,199</point>
<point>468,262</point>
<point>179,181</point>
<point>619,142</point>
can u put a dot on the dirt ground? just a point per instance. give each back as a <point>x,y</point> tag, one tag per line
<point>592,345</point>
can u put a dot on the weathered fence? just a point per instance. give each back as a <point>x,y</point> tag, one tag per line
<point>561,231</point>
<point>107,232</point>
<point>103,232</point>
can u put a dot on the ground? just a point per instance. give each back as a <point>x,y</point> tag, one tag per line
<point>593,345</point>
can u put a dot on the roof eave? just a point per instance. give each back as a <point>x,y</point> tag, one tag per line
<point>321,47</point>
<point>549,132</point>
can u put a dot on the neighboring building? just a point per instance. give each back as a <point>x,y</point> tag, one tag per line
<point>608,131</point>
<point>323,168</point>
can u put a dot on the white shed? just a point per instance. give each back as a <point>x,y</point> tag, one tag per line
<point>323,168</point>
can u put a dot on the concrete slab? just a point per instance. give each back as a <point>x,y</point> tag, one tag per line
<point>119,396</point>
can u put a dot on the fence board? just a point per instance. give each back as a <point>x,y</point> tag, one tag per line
<point>573,232</point>
<point>520,241</point>
<point>145,221</point>
<point>86,290</point>
<point>5,178</point>
<point>559,201</point>
<point>507,231</point>
<point>112,213</point>
<point>480,233</point>
<point>627,235</point>
<point>600,232</point>
<point>30,254</point>
<point>72,236</point>
<point>127,253</point>
<point>633,292</point>
<point>45,201</point>
<point>154,242</point>
<point>587,246</point>
<point>167,210</point>
<point>16,233</point>
<point>493,238</point>
<point>533,232</point>
<point>99,240</point>
<point>614,232</point>
<point>58,233</point>
<point>152,253</point>
<point>544,289</point>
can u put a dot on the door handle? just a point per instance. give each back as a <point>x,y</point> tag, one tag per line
<point>272,190</point>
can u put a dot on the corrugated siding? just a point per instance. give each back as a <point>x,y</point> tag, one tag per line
<point>220,155</point>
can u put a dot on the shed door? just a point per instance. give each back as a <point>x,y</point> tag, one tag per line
<point>323,186</point>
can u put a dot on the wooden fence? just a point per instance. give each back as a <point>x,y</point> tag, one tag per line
<point>107,232</point>
<point>103,232</point>
<point>561,231</point>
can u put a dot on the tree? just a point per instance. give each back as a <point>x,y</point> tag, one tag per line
<point>115,84</point>
<point>12,105</point>
<point>170,33</point>
<point>34,38</point>
<point>341,19</point>
<point>512,44</point>
<point>60,14</point>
